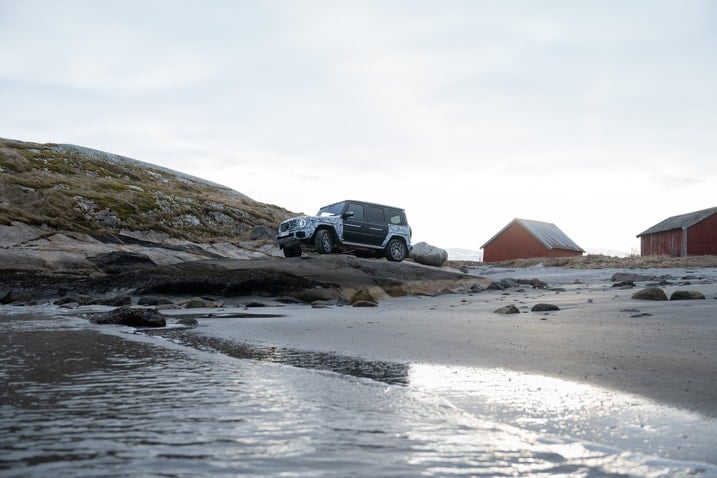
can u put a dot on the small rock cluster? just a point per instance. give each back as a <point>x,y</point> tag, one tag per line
<point>655,293</point>
<point>541,307</point>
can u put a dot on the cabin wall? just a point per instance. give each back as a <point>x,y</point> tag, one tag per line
<point>702,238</point>
<point>665,243</point>
<point>517,243</point>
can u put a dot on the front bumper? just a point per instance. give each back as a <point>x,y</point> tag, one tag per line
<point>292,238</point>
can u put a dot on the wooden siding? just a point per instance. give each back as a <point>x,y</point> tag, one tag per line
<point>702,238</point>
<point>698,240</point>
<point>665,243</point>
<point>516,242</point>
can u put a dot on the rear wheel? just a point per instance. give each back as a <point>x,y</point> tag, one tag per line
<point>324,242</point>
<point>292,251</point>
<point>396,250</point>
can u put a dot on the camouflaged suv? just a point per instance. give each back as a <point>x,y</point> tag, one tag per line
<point>359,226</point>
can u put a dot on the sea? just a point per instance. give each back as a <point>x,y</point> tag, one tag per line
<point>81,400</point>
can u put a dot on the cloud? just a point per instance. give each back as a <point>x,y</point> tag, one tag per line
<point>467,109</point>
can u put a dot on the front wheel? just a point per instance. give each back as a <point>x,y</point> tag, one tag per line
<point>292,251</point>
<point>396,250</point>
<point>324,242</point>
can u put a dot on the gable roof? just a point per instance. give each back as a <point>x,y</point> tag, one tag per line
<point>682,221</point>
<point>548,234</point>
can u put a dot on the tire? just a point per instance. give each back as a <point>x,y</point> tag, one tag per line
<point>324,241</point>
<point>292,252</point>
<point>396,250</point>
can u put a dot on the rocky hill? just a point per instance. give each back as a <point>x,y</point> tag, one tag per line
<point>78,221</point>
<point>63,187</point>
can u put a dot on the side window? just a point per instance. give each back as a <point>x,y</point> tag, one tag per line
<point>375,215</point>
<point>357,209</point>
<point>396,217</point>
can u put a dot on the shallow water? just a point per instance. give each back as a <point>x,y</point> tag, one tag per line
<point>79,400</point>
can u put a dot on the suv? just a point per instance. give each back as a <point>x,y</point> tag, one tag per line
<point>349,225</point>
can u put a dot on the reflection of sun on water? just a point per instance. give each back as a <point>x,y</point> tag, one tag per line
<point>577,410</point>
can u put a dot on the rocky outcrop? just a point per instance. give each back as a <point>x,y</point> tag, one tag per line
<point>131,317</point>
<point>262,231</point>
<point>79,224</point>
<point>16,297</point>
<point>119,261</point>
<point>429,255</point>
<point>332,278</point>
<point>67,188</point>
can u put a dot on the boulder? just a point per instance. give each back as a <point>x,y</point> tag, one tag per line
<point>16,297</point>
<point>650,293</point>
<point>361,295</point>
<point>503,284</point>
<point>262,232</point>
<point>477,288</point>
<point>200,303</point>
<point>429,255</point>
<point>508,309</point>
<point>687,295</point>
<point>631,277</point>
<point>131,317</point>
<point>544,307</point>
<point>534,283</point>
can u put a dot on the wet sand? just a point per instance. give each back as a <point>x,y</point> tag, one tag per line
<point>669,356</point>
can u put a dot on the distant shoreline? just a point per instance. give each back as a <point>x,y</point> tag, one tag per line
<point>598,261</point>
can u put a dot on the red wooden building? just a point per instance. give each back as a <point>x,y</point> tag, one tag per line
<point>691,234</point>
<point>523,239</point>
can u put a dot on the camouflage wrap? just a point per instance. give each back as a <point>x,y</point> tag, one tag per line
<point>298,232</point>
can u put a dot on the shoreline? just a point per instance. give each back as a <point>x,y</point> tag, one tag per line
<point>668,356</point>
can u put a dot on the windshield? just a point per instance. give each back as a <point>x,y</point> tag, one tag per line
<point>331,209</point>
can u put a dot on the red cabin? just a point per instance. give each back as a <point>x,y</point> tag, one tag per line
<point>524,239</point>
<point>691,234</point>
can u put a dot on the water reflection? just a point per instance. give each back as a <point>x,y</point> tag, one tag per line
<point>392,373</point>
<point>557,407</point>
<point>86,401</point>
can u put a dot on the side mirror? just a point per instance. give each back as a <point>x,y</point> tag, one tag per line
<point>348,214</point>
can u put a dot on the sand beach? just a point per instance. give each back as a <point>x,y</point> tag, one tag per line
<point>663,350</point>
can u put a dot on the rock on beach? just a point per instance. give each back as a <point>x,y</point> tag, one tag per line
<point>687,295</point>
<point>650,293</point>
<point>508,309</point>
<point>542,307</point>
<point>131,317</point>
<point>429,255</point>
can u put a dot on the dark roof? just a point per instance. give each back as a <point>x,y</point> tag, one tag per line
<point>548,234</point>
<point>683,221</point>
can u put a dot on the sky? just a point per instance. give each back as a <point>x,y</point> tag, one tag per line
<point>597,116</point>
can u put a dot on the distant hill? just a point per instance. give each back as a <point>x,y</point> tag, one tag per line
<point>72,188</point>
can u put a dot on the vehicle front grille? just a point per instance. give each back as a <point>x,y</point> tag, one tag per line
<point>288,225</point>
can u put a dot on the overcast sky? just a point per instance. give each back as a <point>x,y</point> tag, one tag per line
<point>598,116</point>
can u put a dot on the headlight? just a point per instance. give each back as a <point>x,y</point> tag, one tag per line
<point>302,222</point>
